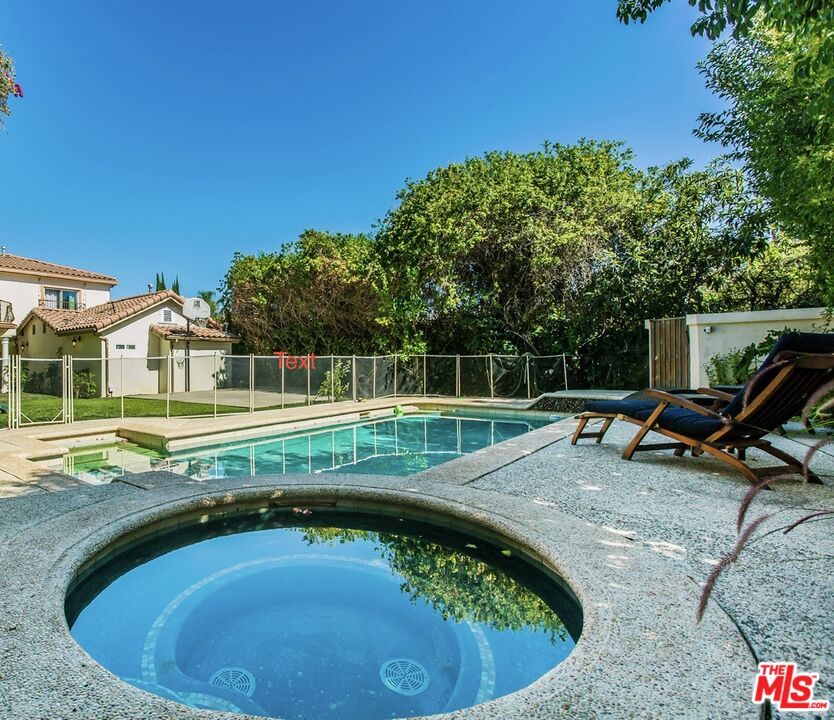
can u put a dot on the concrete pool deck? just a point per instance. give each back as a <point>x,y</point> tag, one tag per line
<point>633,539</point>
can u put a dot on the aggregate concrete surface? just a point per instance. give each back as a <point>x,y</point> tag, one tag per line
<point>634,540</point>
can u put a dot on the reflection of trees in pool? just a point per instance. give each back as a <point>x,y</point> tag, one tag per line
<point>458,585</point>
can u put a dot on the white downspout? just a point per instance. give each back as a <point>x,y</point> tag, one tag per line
<point>105,368</point>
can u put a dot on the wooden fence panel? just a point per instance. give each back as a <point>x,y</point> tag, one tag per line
<point>669,348</point>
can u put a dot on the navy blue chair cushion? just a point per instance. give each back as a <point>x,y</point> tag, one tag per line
<point>795,342</point>
<point>615,407</point>
<point>683,421</point>
<point>686,422</point>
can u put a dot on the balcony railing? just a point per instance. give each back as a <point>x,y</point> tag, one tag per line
<point>53,304</point>
<point>6,314</point>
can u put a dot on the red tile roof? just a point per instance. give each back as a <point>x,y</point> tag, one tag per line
<point>180,332</point>
<point>30,266</point>
<point>99,317</point>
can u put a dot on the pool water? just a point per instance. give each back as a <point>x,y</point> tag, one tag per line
<point>316,614</point>
<point>390,446</point>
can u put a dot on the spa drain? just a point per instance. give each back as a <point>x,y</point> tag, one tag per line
<point>404,676</point>
<point>234,678</point>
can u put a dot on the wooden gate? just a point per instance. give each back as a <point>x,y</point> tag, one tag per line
<point>668,353</point>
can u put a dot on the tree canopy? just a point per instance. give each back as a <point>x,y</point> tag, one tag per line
<point>565,249</point>
<point>775,70</point>
<point>324,293</point>
<point>740,17</point>
<point>779,124</point>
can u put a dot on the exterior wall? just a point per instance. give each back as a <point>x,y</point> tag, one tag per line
<point>42,344</point>
<point>201,367</point>
<point>716,333</point>
<point>143,370</point>
<point>127,358</point>
<point>36,340</point>
<point>25,291</point>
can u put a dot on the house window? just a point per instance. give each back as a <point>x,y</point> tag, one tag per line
<point>167,316</point>
<point>131,347</point>
<point>120,347</point>
<point>43,328</point>
<point>60,299</point>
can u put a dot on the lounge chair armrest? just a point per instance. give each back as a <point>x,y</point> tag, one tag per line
<point>682,402</point>
<point>719,394</point>
<point>815,360</point>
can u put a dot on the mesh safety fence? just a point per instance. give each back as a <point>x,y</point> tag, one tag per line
<point>41,391</point>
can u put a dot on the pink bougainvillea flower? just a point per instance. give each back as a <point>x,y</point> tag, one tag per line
<point>18,91</point>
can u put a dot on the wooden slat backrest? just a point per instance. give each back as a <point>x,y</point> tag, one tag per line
<point>789,383</point>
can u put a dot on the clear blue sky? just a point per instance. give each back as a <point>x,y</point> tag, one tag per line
<point>164,135</point>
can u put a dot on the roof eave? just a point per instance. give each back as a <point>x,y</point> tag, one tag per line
<point>103,280</point>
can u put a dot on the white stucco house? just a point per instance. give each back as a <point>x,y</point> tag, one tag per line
<point>140,344</point>
<point>27,283</point>
<point>125,344</point>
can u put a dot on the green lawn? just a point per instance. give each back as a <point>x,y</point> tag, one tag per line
<point>43,408</point>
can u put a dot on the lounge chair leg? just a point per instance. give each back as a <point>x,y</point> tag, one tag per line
<point>731,460</point>
<point>604,429</point>
<point>792,462</point>
<point>583,421</point>
<point>679,452</point>
<point>643,431</point>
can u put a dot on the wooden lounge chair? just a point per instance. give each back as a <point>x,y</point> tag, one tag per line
<point>775,394</point>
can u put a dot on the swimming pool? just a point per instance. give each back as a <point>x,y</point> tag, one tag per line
<point>316,613</point>
<point>390,446</point>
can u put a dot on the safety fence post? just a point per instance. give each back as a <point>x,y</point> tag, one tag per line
<point>168,364</point>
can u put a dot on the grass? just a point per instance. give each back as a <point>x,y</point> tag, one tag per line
<point>45,408</point>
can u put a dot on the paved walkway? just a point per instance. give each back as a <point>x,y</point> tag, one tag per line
<point>781,591</point>
<point>680,511</point>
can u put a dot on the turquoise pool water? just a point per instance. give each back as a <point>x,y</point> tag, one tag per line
<point>315,614</point>
<point>390,446</point>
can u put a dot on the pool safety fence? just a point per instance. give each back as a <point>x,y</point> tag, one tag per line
<point>208,384</point>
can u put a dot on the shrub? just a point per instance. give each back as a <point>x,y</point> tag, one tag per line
<point>736,366</point>
<point>336,383</point>
<point>84,384</point>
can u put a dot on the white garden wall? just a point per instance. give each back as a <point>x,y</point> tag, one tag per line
<point>714,333</point>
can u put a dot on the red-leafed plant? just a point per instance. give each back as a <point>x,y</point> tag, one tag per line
<point>8,86</point>
<point>819,412</point>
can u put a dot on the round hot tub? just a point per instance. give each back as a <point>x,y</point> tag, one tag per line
<point>321,613</point>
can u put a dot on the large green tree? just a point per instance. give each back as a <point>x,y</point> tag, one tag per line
<point>780,125</point>
<point>567,249</point>
<point>775,70</point>
<point>694,229</point>
<point>482,253</point>
<point>806,22</point>
<point>325,293</point>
